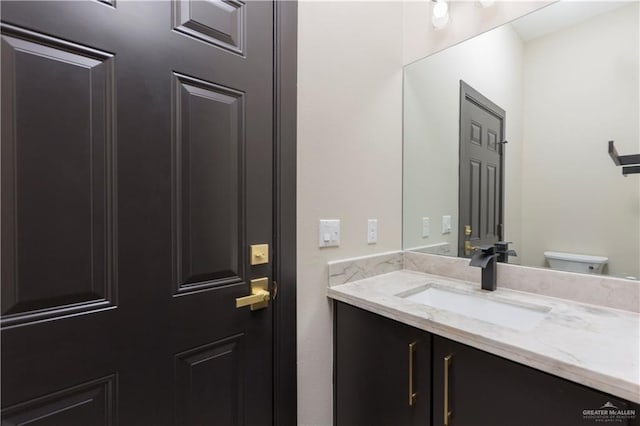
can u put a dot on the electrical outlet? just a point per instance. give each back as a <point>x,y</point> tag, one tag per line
<point>446,224</point>
<point>426,225</point>
<point>372,231</point>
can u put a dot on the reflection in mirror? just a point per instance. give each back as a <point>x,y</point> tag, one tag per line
<point>557,85</point>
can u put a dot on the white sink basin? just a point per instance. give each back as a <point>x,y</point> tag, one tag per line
<point>478,306</point>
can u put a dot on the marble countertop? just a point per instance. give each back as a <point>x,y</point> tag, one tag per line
<point>595,346</point>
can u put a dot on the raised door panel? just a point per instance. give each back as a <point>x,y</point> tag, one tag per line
<point>57,177</point>
<point>208,192</point>
<point>219,22</point>
<point>91,403</point>
<point>492,200</point>
<point>209,384</point>
<point>475,197</point>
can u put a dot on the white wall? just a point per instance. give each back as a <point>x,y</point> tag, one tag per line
<point>350,58</point>
<point>349,163</point>
<point>492,64</point>
<point>576,99</point>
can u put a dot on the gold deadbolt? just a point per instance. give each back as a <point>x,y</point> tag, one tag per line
<point>467,230</point>
<point>259,297</point>
<point>259,254</point>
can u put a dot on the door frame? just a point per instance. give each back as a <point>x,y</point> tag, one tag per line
<point>285,43</point>
<point>469,93</point>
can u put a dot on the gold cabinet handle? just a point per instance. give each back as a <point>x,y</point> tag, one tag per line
<point>412,394</point>
<point>447,364</point>
<point>259,297</point>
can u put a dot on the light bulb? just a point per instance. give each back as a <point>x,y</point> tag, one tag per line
<point>440,16</point>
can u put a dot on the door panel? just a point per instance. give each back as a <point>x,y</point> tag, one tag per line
<point>209,143</point>
<point>475,182</point>
<point>87,404</point>
<point>57,178</point>
<point>221,23</point>
<point>492,211</point>
<point>136,170</point>
<point>481,165</point>
<point>209,384</point>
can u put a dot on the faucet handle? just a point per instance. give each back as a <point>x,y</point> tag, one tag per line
<point>502,247</point>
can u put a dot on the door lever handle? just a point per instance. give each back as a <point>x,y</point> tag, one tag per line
<point>259,297</point>
<point>468,248</point>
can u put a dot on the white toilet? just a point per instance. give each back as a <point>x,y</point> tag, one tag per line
<point>571,262</point>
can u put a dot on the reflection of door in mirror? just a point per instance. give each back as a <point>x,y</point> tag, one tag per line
<point>481,171</point>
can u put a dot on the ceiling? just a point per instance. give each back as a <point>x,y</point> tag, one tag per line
<point>560,15</point>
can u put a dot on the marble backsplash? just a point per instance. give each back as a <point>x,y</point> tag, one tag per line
<point>358,268</point>
<point>599,290</point>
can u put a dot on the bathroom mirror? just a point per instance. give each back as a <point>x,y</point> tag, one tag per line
<point>533,104</point>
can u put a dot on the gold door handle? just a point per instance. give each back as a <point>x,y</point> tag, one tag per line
<point>259,297</point>
<point>447,413</point>
<point>412,394</point>
<point>468,248</point>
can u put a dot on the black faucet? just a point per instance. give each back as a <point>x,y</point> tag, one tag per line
<point>485,258</point>
<point>502,249</point>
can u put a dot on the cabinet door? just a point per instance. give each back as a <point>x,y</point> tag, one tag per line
<point>479,389</point>
<point>378,364</point>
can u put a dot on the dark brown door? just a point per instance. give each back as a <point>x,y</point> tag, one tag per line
<point>481,170</point>
<point>136,172</point>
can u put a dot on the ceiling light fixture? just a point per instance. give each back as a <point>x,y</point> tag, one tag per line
<point>440,16</point>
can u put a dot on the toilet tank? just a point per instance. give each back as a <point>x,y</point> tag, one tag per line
<point>571,262</point>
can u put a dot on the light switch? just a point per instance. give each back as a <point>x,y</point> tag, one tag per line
<point>446,224</point>
<point>329,233</point>
<point>426,225</point>
<point>372,231</point>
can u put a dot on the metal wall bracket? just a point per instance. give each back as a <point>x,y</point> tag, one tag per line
<point>630,163</point>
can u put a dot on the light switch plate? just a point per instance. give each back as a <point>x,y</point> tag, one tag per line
<point>426,227</point>
<point>372,231</point>
<point>329,233</point>
<point>446,224</point>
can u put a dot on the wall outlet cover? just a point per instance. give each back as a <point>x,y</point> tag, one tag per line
<point>372,231</point>
<point>446,224</point>
<point>426,227</point>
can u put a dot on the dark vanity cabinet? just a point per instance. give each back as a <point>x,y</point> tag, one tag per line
<point>382,370</point>
<point>473,387</point>
<point>380,362</point>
